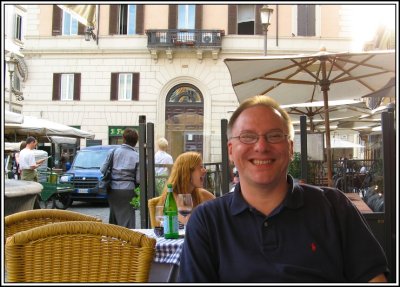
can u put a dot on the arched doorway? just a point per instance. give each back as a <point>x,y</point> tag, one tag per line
<point>184,119</point>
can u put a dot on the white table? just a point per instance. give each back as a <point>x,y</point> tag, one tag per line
<point>165,266</point>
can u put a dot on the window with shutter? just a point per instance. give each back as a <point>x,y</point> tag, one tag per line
<point>127,19</point>
<point>66,87</point>
<point>246,19</point>
<point>124,86</point>
<point>306,20</point>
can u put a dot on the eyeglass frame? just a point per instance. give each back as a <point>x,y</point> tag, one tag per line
<point>265,136</point>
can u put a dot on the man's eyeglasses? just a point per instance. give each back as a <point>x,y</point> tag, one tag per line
<point>271,137</point>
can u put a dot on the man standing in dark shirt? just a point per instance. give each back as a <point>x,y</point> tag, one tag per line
<point>271,229</point>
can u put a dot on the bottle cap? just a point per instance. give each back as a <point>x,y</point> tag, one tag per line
<point>169,185</point>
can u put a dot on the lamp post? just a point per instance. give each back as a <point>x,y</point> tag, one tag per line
<point>11,63</point>
<point>89,33</point>
<point>265,14</point>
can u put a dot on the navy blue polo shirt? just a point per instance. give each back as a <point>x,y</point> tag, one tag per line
<point>315,235</point>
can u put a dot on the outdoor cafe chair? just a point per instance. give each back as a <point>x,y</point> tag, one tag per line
<point>79,251</point>
<point>152,203</point>
<point>25,220</point>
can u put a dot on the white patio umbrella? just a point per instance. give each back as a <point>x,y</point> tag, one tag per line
<point>387,91</point>
<point>307,78</point>
<point>315,112</point>
<point>41,127</point>
<point>339,143</point>
<point>13,118</point>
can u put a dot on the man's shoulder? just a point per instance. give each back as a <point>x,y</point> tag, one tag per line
<point>318,193</point>
<point>126,148</point>
<point>25,152</point>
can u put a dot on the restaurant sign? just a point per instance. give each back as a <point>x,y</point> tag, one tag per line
<point>118,131</point>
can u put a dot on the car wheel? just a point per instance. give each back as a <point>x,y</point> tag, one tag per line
<point>47,204</point>
<point>62,201</point>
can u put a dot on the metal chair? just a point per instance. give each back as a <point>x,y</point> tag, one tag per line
<point>79,251</point>
<point>25,220</point>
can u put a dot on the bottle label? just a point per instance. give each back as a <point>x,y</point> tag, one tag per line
<point>171,226</point>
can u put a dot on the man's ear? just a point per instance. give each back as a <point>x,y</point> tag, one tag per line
<point>230,151</point>
<point>291,151</point>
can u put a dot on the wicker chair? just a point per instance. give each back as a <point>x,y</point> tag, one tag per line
<point>79,251</point>
<point>25,220</point>
<point>152,203</point>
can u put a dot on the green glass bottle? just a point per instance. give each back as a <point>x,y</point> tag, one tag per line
<point>171,226</point>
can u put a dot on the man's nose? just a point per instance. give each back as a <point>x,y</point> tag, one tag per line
<point>262,142</point>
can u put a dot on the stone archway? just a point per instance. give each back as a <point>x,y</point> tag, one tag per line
<point>184,118</point>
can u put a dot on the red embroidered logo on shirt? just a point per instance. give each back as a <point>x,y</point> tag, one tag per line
<point>313,246</point>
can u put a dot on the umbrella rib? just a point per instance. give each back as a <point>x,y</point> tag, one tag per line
<point>287,79</point>
<point>360,77</point>
<point>356,64</point>
<point>264,77</point>
<point>316,77</point>
<point>304,68</point>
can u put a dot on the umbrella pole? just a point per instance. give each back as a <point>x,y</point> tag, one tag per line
<point>328,140</point>
<point>324,83</point>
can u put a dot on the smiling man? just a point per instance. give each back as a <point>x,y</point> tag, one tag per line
<point>271,229</point>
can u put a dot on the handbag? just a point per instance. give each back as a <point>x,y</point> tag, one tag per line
<point>105,180</point>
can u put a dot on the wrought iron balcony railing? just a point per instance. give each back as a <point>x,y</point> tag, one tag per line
<point>184,38</point>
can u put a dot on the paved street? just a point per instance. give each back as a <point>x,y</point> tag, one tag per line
<point>98,209</point>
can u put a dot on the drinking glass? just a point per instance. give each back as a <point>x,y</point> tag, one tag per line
<point>160,215</point>
<point>185,205</point>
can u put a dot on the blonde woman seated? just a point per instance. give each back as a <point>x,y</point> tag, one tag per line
<point>187,176</point>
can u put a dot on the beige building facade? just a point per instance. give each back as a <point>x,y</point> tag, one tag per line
<point>170,68</point>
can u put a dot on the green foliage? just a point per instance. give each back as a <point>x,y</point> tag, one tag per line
<point>135,201</point>
<point>295,166</point>
<point>160,182</point>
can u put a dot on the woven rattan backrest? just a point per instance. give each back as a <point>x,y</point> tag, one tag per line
<point>25,220</point>
<point>152,203</point>
<point>79,251</point>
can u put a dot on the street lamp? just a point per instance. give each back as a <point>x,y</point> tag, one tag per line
<point>89,33</point>
<point>265,14</point>
<point>11,63</point>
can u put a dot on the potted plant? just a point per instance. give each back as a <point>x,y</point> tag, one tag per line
<point>135,201</point>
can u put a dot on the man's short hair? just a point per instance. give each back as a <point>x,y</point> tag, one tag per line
<point>265,101</point>
<point>130,136</point>
<point>30,139</point>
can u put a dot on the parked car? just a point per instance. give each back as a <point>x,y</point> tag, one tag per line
<point>85,173</point>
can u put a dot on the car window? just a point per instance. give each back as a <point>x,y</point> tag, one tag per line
<point>92,159</point>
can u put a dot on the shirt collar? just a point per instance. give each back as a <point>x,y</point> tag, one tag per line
<point>294,197</point>
<point>128,146</point>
